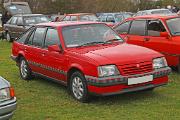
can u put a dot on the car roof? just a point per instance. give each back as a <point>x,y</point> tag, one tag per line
<point>28,15</point>
<point>67,23</point>
<point>155,17</point>
<point>151,10</point>
<point>77,14</point>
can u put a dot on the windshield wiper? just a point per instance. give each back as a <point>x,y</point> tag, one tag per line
<point>114,40</point>
<point>91,43</point>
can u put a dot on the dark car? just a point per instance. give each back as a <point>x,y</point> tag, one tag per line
<point>7,100</point>
<point>20,23</point>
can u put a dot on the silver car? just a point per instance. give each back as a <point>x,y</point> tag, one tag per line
<point>7,100</point>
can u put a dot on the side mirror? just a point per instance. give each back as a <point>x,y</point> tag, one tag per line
<point>164,34</point>
<point>54,48</point>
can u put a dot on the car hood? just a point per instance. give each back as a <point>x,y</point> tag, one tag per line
<point>4,83</point>
<point>119,54</point>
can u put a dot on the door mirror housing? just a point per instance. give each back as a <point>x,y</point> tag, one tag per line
<point>164,34</point>
<point>54,48</point>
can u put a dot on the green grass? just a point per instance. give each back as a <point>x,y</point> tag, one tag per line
<point>41,99</point>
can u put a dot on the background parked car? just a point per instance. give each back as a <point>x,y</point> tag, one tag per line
<point>1,27</point>
<point>20,23</point>
<point>80,17</point>
<point>7,100</point>
<point>157,32</point>
<point>153,11</point>
<point>114,17</point>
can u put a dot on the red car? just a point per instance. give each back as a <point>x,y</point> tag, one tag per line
<point>158,32</point>
<point>89,58</point>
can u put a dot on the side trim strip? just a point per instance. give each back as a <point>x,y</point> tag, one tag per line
<point>48,68</point>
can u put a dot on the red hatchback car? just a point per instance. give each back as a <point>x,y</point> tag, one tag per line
<point>89,58</point>
<point>158,32</point>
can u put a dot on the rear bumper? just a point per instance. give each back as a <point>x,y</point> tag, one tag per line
<point>7,109</point>
<point>119,84</point>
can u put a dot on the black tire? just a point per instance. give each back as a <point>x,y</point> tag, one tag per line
<point>78,76</point>
<point>8,37</point>
<point>24,69</point>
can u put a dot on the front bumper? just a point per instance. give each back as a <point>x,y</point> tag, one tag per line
<point>7,109</point>
<point>119,84</point>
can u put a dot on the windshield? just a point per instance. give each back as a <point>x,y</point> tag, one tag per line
<point>31,20</point>
<point>174,26</point>
<point>80,35</point>
<point>161,12</point>
<point>88,18</point>
<point>19,9</point>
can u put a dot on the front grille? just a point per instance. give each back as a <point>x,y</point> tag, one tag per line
<point>136,68</point>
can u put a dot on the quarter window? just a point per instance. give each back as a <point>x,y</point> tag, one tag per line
<point>24,36</point>
<point>39,37</point>
<point>52,38</point>
<point>138,27</point>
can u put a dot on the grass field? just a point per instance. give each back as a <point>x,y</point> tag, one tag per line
<point>41,99</point>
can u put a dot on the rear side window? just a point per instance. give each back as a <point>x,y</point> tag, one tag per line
<point>123,28</point>
<point>73,18</point>
<point>39,37</point>
<point>14,20</point>
<point>20,21</point>
<point>52,38</point>
<point>155,27</point>
<point>138,27</point>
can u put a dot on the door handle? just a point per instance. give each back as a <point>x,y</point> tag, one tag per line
<point>146,39</point>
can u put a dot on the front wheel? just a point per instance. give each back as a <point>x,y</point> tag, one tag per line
<point>78,87</point>
<point>25,71</point>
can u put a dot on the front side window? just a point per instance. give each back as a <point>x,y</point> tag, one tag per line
<point>138,27</point>
<point>174,26</point>
<point>123,28</point>
<point>39,37</point>
<point>79,35</point>
<point>73,18</point>
<point>110,18</point>
<point>155,27</point>
<point>52,38</point>
<point>31,20</point>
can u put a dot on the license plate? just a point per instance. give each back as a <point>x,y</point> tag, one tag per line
<point>144,79</point>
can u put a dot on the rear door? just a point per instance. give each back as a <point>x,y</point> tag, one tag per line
<point>34,50</point>
<point>20,27</point>
<point>137,32</point>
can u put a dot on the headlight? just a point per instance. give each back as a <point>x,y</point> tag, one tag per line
<point>109,70</point>
<point>159,63</point>
<point>5,94</point>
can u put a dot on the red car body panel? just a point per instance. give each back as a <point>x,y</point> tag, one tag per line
<point>167,46</point>
<point>87,59</point>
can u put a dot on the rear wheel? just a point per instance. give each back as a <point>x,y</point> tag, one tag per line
<point>24,69</point>
<point>78,87</point>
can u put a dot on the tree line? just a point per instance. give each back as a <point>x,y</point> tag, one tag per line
<point>94,6</point>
